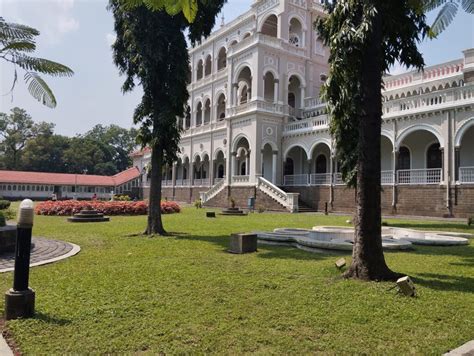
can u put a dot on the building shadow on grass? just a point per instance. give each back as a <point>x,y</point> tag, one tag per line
<point>266,250</point>
<point>435,226</point>
<point>445,282</point>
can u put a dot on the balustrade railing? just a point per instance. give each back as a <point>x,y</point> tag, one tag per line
<point>387,177</point>
<point>296,180</point>
<point>204,182</point>
<point>288,200</point>
<point>240,179</point>
<point>320,179</point>
<point>419,176</point>
<point>466,174</point>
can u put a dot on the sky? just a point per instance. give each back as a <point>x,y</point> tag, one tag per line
<point>78,33</point>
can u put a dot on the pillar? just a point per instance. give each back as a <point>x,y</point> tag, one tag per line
<point>275,90</point>
<point>235,88</point>
<point>274,167</point>
<point>247,164</point>
<point>233,164</point>
<point>457,162</point>
<point>303,93</point>
<point>394,186</point>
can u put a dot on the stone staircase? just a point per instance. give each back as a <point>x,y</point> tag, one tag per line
<point>212,192</point>
<point>287,200</point>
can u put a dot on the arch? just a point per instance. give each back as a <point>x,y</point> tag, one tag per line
<point>237,140</point>
<point>246,35</point>
<point>269,86</point>
<point>272,144</point>
<point>388,135</point>
<point>462,130</point>
<point>216,152</point>
<point>297,75</point>
<point>271,70</point>
<point>321,141</point>
<point>296,30</point>
<point>239,70</point>
<point>207,111</point>
<point>404,158</point>
<point>233,43</point>
<point>204,155</point>
<point>285,154</point>
<point>184,158</point>
<point>222,58</point>
<point>221,104</point>
<point>299,19</point>
<point>269,25</point>
<point>199,114</point>
<point>195,157</point>
<point>419,127</point>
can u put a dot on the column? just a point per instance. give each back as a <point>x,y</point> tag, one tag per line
<point>275,90</point>
<point>247,164</point>
<point>457,163</point>
<point>211,170</point>
<point>203,115</point>
<point>442,165</point>
<point>394,186</point>
<point>233,164</point>
<point>191,173</point>
<point>303,93</point>
<point>274,167</point>
<point>235,88</point>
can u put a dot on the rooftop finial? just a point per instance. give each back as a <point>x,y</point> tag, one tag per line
<point>222,20</point>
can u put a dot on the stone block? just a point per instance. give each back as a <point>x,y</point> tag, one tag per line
<point>210,214</point>
<point>243,243</point>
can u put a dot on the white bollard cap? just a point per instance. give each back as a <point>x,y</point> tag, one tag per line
<point>26,213</point>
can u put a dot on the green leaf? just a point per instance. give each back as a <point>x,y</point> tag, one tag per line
<point>14,32</point>
<point>444,18</point>
<point>41,65</point>
<point>40,90</point>
<point>25,46</point>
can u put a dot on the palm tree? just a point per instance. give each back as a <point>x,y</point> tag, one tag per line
<point>16,42</point>
<point>447,13</point>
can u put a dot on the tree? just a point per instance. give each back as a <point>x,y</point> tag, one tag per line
<point>16,129</point>
<point>45,153</point>
<point>151,48</point>
<point>119,141</point>
<point>17,41</point>
<point>365,38</point>
<point>87,155</point>
<point>447,13</point>
<point>173,7</point>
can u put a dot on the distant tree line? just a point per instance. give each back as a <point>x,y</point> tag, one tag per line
<point>29,146</point>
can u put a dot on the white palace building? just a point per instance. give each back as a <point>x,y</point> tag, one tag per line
<point>257,129</point>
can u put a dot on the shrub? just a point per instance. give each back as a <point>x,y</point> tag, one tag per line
<point>4,204</point>
<point>3,221</point>
<point>232,202</point>
<point>69,207</point>
<point>470,221</point>
<point>261,209</point>
<point>9,214</point>
<point>385,223</point>
<point>198,204</point>
<point>122,197</point>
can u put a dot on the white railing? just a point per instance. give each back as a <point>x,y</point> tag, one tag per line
<point>466,174</point>
<point>288,200</point>
<point>167,183</point>
<point>205,182</point>
<point>320,179</point>
<point>218,180</point>
<point>240,179</point>
<point>387,177</point>
<point>310,124</point>
<point>296,180</point>
<point>212,192</point>
<point>179,182</point>
<point>338,179</point>
<point>419,176</point>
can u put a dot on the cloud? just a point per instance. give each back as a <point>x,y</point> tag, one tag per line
<point>110,38</point>
<point>397,68</point>
<point>53,18</point>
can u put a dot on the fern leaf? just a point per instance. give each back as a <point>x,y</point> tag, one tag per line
<point>468,6</point>
<point>24,46</point>
<point>14,32</point>
<point>40,90</point>
<point>41,65</point>
<point>444,18</point>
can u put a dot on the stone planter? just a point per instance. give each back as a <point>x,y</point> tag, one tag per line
<point>243,243</point>
<point>7,238</point>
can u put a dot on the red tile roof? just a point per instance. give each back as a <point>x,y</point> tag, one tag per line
<point>20,177</point>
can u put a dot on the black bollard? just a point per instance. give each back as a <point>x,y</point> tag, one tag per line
<point>20,300</point>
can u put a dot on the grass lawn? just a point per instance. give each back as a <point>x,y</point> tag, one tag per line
<point>185,294</point>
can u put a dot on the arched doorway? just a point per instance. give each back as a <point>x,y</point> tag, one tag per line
<point>296,162</point>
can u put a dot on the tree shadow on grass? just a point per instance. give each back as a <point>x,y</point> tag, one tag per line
<point>265,250</point>
<point>445,282</point>
<point>466,252</point>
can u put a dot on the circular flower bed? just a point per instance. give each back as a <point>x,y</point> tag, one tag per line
<point>70,207</point>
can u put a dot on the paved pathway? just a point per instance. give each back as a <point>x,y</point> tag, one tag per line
<point>44,251</point>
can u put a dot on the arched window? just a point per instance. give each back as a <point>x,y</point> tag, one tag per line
<point>404,158</point>
<point>433,156</point>
<point>200,70</point>
<point>208,67</point>
<point>243,169</point>
<point>291,100</point>
<point>270,26</point>
<point>244,94</point>
<point>321,164</point>
<point>199,115</point>
<point>295,36</point>
<point>222,59</point>
<point>220,171</point>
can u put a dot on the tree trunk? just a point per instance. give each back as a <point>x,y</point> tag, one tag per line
<point>368,262</point>
<point>154,224</point>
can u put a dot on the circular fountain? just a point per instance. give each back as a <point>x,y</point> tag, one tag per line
<point>88,215</point>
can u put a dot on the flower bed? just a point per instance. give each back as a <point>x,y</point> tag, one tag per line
<point>70,207</point>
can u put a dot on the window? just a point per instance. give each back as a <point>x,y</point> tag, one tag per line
<point>404,158</point>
